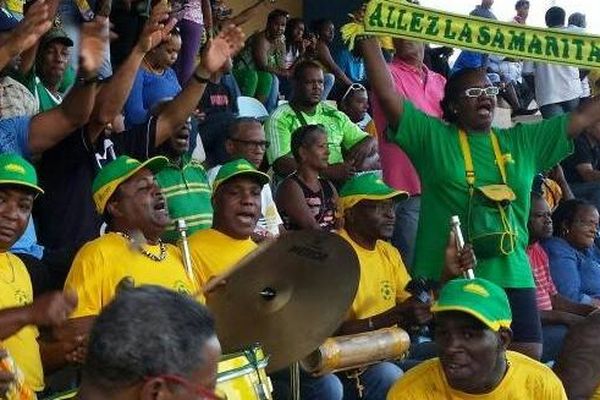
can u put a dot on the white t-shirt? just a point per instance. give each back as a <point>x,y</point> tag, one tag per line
<point>269,220</point>
<point>554,83</point>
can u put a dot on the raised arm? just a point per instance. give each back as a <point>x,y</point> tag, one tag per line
<point>26,35</point>
<point>381,81</point>
<point>216,54</point>
<point>112,97</point>
<point>49,128</point>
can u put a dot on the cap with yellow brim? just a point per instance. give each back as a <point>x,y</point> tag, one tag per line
<point>16,171</point>
<point>366,186</point>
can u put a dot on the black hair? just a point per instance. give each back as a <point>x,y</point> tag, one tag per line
<point>521,4</point>
<point>234,126</point>
<point>302,66</point>
<point>289,31</point>
<point>452,92</point>
<point>564,215</point>
<point>145,332</point>
<point>277,13</point>
<point>577,19</point>
<point>304,136</point>
<point>555,16</point>
<point>319,24</point>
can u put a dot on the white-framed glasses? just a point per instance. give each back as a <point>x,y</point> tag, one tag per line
<point>474,92</point>
<point>353,88</point>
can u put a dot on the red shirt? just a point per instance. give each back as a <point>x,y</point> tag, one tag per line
<point>544,287</point>
<point>425,89</point>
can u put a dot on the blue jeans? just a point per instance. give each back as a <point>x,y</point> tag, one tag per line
<point>552,110</point>
<point>376,381</point>
<point>273,98</point>
<point>553,338</point>
<point>405,228</point>
<point>328,82</point>
<point>326,387</point>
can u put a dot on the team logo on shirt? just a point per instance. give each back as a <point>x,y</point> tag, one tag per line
<point>387,292</point>
<point>22,298</point>
<point>180,287</point>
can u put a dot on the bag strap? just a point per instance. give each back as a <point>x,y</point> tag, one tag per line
<point>469,168</point>
<point>299,115</point>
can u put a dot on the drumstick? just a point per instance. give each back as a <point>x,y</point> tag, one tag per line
<point>460,242</point>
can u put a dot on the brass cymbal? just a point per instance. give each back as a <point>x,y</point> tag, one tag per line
<point>288,296</point>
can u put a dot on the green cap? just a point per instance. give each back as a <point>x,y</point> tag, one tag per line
<point>118,171</point>
<point>367,186</point>
<point>15,170</point>
<point>477,297</point>
<point>56,34</point>
<point>239,167</point>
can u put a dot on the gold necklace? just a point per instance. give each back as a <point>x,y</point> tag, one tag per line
<point>153,257</point>
<point>12,270</point>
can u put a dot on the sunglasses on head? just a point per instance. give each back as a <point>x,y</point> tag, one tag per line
<point>355,87</point>
<point>474,92</point>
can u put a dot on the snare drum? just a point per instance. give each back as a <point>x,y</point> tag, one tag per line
<point>242,376</point>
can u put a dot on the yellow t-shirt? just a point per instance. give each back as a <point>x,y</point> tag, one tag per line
<point>16,291</point>
<point>101,264</point>
<point>213,253</point>
<point>383,278</point>
<point>596,395</point>
<point>525,379</point>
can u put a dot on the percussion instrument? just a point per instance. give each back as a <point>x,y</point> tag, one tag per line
<point>355,351</point>
<point>185,250</point>
<point>289,296</point>
<point>242,376</point>
<point>18,389</point>
<point>460,242</point>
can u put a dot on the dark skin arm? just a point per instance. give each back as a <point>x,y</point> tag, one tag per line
<point>260,50</point>
<point>381,81</point>
<point>588,173</point>
<point>586,116</point>
<point>553,317</point>
<point>290,200</point>
<point>561,303</point>
<point>38,19</point>
<point>66,343</point>
<point>49,128</point>
<point>245,15</point>
<point>113,95</point>
<point>324,56</point>
<point>558,175</point>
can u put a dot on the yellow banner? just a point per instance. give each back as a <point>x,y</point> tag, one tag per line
<point>400,19</point>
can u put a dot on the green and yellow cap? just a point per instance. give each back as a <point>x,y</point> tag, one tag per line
<point>239,167</point>
<point>366,186</point>
<point>117,172</point>
<point>15,170</point>
<point>477,297</point>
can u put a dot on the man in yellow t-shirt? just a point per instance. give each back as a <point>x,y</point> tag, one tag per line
<point>132,253</point>
<point>19,313</point>
<point>368,205</point>
<point>473,320</point>
<point>236,203</point>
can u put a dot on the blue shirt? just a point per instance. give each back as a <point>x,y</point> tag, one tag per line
<point>576,273</point>
<point>353,67</point>
<point>148,90</point>
<point>14,138</point>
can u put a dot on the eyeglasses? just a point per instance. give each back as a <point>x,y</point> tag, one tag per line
<point>355,87</point>
<point>203,392</point>
<point>474,92</point>
<point>263,145</point>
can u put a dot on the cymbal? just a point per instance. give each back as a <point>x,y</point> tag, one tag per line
<point>288,296</point>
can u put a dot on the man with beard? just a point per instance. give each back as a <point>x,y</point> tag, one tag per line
<point>132,253</point>
<point>472,334</point>
<point>351,149</point>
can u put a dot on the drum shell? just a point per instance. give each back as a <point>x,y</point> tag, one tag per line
<point>354,351</point>
<point>242,375</point>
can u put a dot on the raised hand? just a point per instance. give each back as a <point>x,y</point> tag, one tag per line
<point>157,28</point>
<point>28,32</point>
<point>457,261</point>
<point>93,45</point>
<point>218,51</point>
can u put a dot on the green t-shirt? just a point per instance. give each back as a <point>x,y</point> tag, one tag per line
<point>434,149</point>
<point>341,131</point>
<point>47,100</point>
<point>188,194</point>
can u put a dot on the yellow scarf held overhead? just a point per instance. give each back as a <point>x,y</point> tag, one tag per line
<point>405,20</point>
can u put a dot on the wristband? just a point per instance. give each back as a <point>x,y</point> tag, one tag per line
<point>200,79</point>
<point>82,81</point>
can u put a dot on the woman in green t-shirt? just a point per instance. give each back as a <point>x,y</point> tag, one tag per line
<point>500,156</point>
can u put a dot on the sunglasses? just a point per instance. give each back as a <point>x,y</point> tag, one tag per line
<point>474,92</point>
<point>355,87</point>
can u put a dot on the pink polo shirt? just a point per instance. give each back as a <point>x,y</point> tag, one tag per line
<point>425,89</point>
